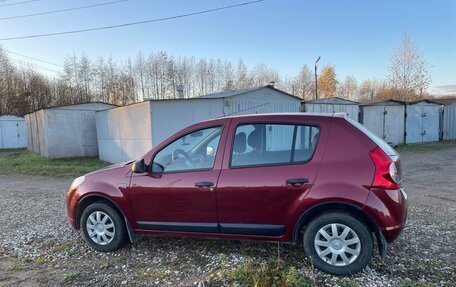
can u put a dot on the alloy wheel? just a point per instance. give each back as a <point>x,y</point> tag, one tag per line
<point>100,228</point>
<point>337,244</point>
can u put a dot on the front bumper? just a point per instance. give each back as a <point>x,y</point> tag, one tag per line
<point>71,206</point>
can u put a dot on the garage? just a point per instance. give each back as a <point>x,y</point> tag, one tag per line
<point>128,132</point>
<point>422,122</point>
<point>12,132</point>
<point>64,131</point>
<point>386,119</point>
<point>332,105</point>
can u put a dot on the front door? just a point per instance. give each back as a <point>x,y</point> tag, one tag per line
<point>179,194</point>
<point>266,174</point>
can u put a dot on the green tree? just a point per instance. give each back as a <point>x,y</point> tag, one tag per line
<point>327,82</point>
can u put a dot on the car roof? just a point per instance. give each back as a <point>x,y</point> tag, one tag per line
<point>275,115</point>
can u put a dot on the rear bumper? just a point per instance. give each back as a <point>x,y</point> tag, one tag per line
<point>389,210</point>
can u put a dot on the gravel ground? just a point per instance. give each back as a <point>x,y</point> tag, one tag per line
<point>39,248</point>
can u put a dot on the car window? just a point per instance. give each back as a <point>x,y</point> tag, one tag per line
<point>306,142</point>
<point>193,151</point>
<point>264,144</point>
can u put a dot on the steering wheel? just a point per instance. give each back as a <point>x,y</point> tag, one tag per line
<point>178,152</point>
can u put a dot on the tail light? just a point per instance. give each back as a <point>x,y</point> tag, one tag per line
<point>386,172</point>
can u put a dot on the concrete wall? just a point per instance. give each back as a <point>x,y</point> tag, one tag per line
<point>12,132</point>
<point>124,133</point>
<point>65,131</point>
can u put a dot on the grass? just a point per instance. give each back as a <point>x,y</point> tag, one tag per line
<point>261,274</point>
<point>70,276</point>
<point>411,148</point>
<point>27,163</point>
<point>410,283</point>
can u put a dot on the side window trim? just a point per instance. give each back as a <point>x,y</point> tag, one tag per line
<point>221,126</point>
<point>292,161</point>
<point>293,143</point>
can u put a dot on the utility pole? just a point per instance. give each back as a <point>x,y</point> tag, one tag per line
<point>316,80</point>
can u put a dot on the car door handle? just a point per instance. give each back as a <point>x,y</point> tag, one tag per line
<point>297,182</point>
<point>204,184</point>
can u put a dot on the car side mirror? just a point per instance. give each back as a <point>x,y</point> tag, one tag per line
<point>139,166</point>
<point>209,151</point>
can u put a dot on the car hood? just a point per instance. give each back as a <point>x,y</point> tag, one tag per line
<point>111,167</point>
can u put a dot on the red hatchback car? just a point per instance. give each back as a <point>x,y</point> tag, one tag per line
<point>323,181</point>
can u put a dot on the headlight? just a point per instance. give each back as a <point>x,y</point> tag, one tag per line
<point>77,182</point>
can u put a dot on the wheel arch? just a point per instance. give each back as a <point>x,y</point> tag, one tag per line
<point>349,208</point>
<point>92,198</point>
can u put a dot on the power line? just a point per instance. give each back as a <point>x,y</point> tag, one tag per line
<point>62,10</point>
<point>131,23</point>
<point>28,64</point>
<point>18,3</point>
<point>46,62</point>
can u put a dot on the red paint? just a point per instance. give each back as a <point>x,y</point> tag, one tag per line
<point>341,170</point>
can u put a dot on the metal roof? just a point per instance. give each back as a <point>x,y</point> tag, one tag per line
<point>384,103</point>
<point>420,101</point>
<point>446,102</point>
<point>80,104</point>
<point>332,100</point>
<point>231,93</point>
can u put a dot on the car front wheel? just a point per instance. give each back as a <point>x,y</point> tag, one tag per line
<point>338,243</point>
<point>103,228</point>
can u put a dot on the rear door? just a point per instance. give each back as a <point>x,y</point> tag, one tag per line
<point>268,168</point>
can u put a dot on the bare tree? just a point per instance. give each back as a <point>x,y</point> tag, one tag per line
<point>84,74</point>
<point>349,88</point>
<point>140,73</point>
<point>408,71</point>
<point>369,89</point>
<point>304,85</point>
<point>242,78</point>
<point>262,75</point>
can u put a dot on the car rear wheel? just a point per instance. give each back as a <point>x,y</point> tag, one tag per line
<point>103,227</point>
<point>338,243</point>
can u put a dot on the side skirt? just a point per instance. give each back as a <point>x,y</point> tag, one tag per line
<point>223,228</point>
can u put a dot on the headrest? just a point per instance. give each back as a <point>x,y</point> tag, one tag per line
<point>254,139</point>
<point>240,143</point>
<point>315,140</point>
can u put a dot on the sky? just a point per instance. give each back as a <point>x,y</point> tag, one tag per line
<point>358,37</point>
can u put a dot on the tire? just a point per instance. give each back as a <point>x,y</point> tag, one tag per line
<point>352,252</point>
<point>103,227</point>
